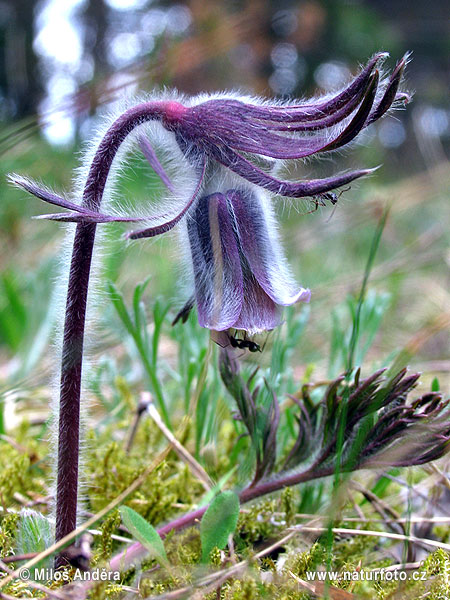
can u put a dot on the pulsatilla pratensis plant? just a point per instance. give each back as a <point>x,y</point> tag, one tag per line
<point>229,149</point>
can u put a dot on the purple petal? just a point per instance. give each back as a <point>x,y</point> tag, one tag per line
<point>390,93</point>
<point>291,189</point>
<point>241,126</point>
<point>208,126</point>
<point>260,246</point>
<point>168,225</point>
<point>152,159</point>
<point>328,121</point>
<point>359,120</point>
<point>43,194</point>
<point>216,263</point>
<point>276,146</point>
<point>259,312</point>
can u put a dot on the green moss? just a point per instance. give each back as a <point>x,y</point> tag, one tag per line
<point>310,560</point>
<point>349,551</point>
<point>8,529</point>
<point>184,548</point>
<point>105,543</point>
<point>15,476</point>
<point>437,566</point>
<point>110,470</point>
<point>148,587</point>
<point>105,589</point>
<point>288,505</point>
<point>215,557</point>
<point>255,523</point>
<point>247,589</point>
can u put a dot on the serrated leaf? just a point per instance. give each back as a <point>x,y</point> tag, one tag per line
<point>218,522</point>
<point>145,533</point>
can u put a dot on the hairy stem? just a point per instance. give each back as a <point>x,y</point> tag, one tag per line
<point>75,316</point>
<point>137,551</point>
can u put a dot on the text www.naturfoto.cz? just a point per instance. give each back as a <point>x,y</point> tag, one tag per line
<point>379,575</point>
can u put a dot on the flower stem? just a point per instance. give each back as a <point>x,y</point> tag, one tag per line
<point>248,494</point>
<point>136,551</point>
<point>75,316</point>
<point>70,390</point>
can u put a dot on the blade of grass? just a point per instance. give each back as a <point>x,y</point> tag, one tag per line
<point>357,318</point>
<point>136,332</point>
<point>196,468</point>
<point>381,534</point>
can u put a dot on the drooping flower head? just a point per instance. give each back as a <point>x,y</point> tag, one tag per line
<point>233,146</point>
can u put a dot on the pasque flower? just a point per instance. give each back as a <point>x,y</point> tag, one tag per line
<point>233,146</point>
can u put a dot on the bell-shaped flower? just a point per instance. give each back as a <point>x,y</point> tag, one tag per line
<point>240,274</point>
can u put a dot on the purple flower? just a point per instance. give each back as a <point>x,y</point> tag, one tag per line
<point>240,275</point>
<point>232,147</point>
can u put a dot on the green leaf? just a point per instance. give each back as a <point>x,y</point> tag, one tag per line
<point>34,534</point>
<point>119,305</point>
<point>137,331</point>
<point>435,387</point>
<point>207,498</point>
<point>218,522</point>
<point>145,533</point>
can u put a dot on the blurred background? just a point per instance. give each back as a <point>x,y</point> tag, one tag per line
<point>63,63</point>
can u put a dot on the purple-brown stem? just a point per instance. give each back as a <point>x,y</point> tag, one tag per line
<point>136,551</point>
<point>75,317</point>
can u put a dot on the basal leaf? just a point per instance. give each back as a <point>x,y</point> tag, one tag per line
<point>145,533</point>
<point>218,522</point>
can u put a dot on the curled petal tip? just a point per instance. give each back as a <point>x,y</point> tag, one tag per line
<point>403,97</point>
<point>358,121</point>
<point>365,172</point>
<point>13,179</point>
<point>399,68</point>
<point>304,295</point>
<point>381,55</point>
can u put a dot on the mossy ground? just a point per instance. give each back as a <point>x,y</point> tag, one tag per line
<point>172,489</point>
